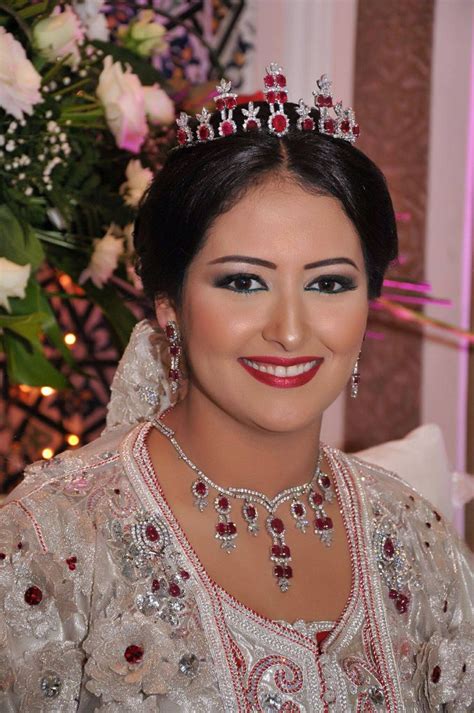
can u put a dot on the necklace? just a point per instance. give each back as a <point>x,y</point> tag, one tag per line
<point>315,492</point>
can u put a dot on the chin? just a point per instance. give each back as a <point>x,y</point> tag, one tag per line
<point>284,418</point>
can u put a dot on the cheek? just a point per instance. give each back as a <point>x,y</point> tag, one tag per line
<point>341,327</point>
<point>209,324</point>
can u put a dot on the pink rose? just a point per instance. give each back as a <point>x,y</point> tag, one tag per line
<point>122,97</point>
<point>158,106</point>
<point>19,80</point>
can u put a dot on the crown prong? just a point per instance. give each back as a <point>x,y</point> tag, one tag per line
<point>224,87</point>
<point>183,119</point>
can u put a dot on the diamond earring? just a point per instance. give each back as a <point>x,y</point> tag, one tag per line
<point>174,338</point>
<point>355,379</point>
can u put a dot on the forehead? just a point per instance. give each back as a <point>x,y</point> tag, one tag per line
<point>278,219</point>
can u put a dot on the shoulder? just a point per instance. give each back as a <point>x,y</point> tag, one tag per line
<point>400,512</point>
<point>57,500</point>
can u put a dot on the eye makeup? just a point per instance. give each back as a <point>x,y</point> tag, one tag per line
<point>345,283</point>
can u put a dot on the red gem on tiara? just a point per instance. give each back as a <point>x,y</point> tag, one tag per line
<point>271,97</point>
<point>345,126</point>
<point>323,101</point>
<point>279,123</point>
<point>226,128</point>
<point>182,136</point>
<point>282,97</point>
<point>329,126</point>
<point>281,80</point>
<point>269,80</point>
<point>220,104</point>
<point>251,122</point>
<point>203,133</point>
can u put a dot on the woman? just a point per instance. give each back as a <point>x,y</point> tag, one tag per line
<point>217,556</point>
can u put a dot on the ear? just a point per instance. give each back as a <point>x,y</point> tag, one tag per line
<point>165,311</point>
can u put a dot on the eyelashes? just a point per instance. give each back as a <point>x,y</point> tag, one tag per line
<point>328,284</point>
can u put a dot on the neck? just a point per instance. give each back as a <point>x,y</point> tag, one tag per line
<point>243,455</point>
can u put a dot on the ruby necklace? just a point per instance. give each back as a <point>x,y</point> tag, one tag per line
<point>314,494</point>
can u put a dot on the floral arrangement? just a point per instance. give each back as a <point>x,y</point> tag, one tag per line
<point>85,118</point>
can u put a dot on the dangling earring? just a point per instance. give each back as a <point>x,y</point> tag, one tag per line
<point>355,379</point>
<point>174,337</point>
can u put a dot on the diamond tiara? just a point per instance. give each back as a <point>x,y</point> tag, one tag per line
<point>332,119</point>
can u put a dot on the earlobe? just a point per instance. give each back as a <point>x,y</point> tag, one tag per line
<point>164,311</point>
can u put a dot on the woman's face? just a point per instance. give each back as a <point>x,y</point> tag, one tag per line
<point>259,289</point>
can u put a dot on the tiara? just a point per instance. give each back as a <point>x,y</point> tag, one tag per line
<point>332,119</point>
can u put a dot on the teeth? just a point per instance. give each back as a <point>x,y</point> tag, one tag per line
<point>282,370</point>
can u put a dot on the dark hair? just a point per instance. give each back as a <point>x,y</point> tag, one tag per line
<point>200,182</point>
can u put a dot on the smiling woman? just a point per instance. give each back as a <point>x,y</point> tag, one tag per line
<point>208,552</point>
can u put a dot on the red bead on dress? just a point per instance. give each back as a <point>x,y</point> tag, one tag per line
<point>152,533</point>
<point>133,653</point>
<point>33,596</point>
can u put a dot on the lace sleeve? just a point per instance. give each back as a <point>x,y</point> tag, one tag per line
<point>46,565</point>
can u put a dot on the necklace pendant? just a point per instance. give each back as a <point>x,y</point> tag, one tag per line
<point>280,553</point>
<point>323,526</point>
<point>325,484</point>
<point>250,515</point>
<point>226,530</point>
<point>200,491</point>
<point>298,511</point>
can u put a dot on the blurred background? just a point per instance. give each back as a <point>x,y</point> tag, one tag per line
<point>407,69</point>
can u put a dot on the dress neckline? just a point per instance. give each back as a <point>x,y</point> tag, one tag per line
<point>139,465</point>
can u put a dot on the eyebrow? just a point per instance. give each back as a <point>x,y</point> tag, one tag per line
<point>267,263</point>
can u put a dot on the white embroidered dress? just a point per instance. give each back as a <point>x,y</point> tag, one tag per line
<point>106,607</point>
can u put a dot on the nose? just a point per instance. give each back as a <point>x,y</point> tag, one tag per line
<point>285,323</point>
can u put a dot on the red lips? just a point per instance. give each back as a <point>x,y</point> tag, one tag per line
<point>282,382</point>
<point>282,361</point>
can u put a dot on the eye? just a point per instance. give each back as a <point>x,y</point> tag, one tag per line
<point>330,284</point>
<point>242,282</point>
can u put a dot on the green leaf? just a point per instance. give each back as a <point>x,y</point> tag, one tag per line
<point>118,315</point>
<point>18,242</point>
<point>32,10</point>
<point>26,363</point>
<point>52,330</point>
<point>27,326</point>
<point>36,302</point>
<point>146,72</point>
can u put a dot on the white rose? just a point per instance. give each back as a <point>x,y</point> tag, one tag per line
<point>159,107</point>
<point>122,97</point>
<point>104,260</point>
<point>13,279</point>
<point>59,35</point>
<point>19,81</point>
<point>138,179</point>
<point>92,18</point>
